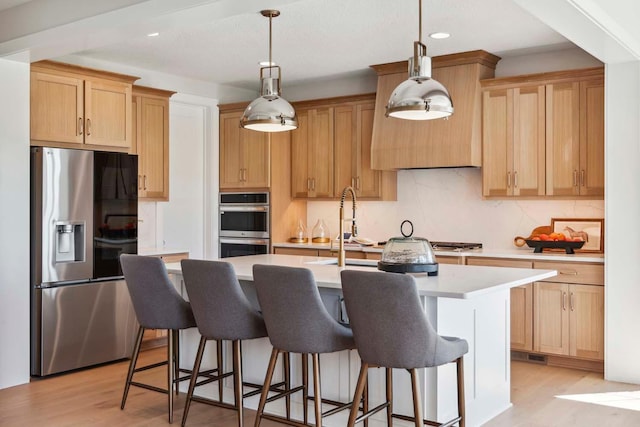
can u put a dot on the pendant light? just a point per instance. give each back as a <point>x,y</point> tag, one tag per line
<point>420,97</point>
<point>270,112</point>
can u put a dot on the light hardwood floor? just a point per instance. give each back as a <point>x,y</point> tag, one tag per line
<point>92,398</point>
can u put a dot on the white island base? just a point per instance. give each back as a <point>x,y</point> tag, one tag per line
<point>464,301</point>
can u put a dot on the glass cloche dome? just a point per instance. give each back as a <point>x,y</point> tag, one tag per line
<point>408,254</point>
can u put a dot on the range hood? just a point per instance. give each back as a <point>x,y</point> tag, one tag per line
<point>452,142</point>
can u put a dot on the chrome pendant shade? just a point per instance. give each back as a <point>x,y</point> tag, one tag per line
<point>420,97</point>
<point>270,112</point>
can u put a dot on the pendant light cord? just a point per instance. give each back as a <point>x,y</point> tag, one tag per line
<point>420,21</point>
<point>270,61</point>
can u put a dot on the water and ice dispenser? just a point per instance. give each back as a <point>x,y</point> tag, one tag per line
<point>69,241</point>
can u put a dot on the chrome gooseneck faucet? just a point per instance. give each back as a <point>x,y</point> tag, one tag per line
<point>354,227</point>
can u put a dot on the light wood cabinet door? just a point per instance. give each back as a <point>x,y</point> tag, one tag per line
<point>107,109</point>
<point>57,108</point>
<point>592,138</point>
<point>522,318</point>
<point>256,161</point>
<point>586,321</point>
<point>368,182</point>
<point>551,318</point>
<point>312,157</point>
<point>345,146</point>
<point>152,139</point>
<point>244,155</point>
<point>514,142</point>
<point>563,138</point>
<point>295,251</point>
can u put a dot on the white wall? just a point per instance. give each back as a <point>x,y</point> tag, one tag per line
<point>622,292</point>
<point>14,223</point>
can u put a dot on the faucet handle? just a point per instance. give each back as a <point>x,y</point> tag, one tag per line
<point>354,229</point>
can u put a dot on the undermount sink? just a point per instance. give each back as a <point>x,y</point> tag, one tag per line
<point>348,261</point>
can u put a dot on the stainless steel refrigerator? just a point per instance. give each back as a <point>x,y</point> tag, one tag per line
<point>84,208</point>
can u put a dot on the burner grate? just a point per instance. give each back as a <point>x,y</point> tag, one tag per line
<point>455,245</point>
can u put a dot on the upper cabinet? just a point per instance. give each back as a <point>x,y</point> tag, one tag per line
<point>331,150</point>
<point>543,135</point>
<point>151,141</point>
<point>244,154</point>
<point>73,105</point>
<point>312,145</point>
<point>513,131</point>
<point>452,142</point>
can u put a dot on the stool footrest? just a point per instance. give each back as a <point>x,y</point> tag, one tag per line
<point>149,387</point>
<point>427,422</point>
<point>284,420</point>
<point>152,366</point>
<point>371,412</point>
<point>213,402</point>
<point>339,406</point>
<point>284,393</point>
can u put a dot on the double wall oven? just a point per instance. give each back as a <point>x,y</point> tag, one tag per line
<point>244,224</point>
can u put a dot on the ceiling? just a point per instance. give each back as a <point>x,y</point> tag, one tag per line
<point>319,39</point>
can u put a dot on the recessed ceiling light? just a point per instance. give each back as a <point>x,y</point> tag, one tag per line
<point>267,64</point>
<point>439,35</point>
<point>153,34</point>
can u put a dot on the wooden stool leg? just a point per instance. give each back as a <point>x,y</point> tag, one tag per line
<point>176,366</point>
<point>365,401</point>
<point>305,387</point>
<point>317,397</point>
<point>286,364</point>
<point>357,396</point>
<point>132,365</point>
<point>265,388</point>
<point>417,404</point>
<point>170,371</point>
<point>219,367</point>
<point>461,401</point>
<point>389,385</point>
<point>194,379</point>
<point>237,381</point>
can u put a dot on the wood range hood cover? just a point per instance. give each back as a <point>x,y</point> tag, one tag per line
<point>452,142</point>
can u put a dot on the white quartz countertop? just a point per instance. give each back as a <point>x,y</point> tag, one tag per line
<point>452,281</point>
<point>515,253</point>
<point>149,251</point>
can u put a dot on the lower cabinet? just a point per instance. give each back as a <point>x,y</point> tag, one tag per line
<point>522,318</point>
<point>569,319</point>
<point>316,252</point>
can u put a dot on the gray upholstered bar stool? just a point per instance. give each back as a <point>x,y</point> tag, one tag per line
<point>297,322</point>
<point>222,312</point>
<point>391,331</point>
<point>157,305</point>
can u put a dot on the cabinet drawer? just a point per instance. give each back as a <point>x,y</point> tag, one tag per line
<point>575,272</point>
<point>296,251</point>
<point>169,258</point>
<point>443,259</point>
<point>348,254</point>
<point>500,262</point>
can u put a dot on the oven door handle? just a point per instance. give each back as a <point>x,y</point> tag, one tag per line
<point>224,209</point>
<point>244,241</point>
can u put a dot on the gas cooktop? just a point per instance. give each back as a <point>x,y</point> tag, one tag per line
<point>454,246</point>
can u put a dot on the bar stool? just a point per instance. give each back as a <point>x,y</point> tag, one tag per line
<point>391,331</point>
<point>157,305</point>
<point>222,312</point>
<point>298,322</point>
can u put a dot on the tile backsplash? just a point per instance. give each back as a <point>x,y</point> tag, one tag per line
<point>447,205</point>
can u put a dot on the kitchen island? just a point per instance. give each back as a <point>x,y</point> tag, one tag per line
<point>470,302</point>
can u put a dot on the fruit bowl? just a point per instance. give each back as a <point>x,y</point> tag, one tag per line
<point>568,246</point>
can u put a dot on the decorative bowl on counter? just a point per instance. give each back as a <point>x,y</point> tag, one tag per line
<point>539,245</point>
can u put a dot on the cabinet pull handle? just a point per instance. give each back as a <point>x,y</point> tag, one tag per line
<point>357,183</point>
<point>145,182</point>
<point>353,184</point>
<point>575,178</point>
<point>313,184</point>
<point>244,174</point>
<point>515,179</point>
<point>80,126</point>
<point>568,272</point>
<point>88,127</point>
<point>564,301</point>
<point>508,179</point>
<point>240,174</point>
<point>582,177</point>
<point>571,301</point>
<point>308,184</point>
<point>139,182</point>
